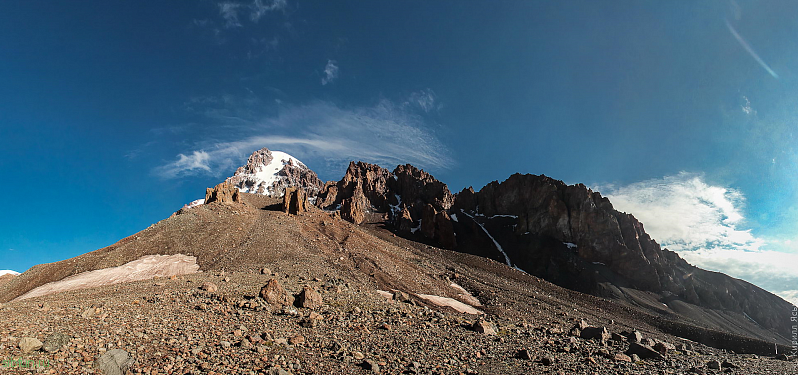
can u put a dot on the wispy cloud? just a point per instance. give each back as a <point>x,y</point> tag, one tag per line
<point>705,224</point>
<point>747,106</point>
<point>385,134</point>
<point>425,99</point>
<point>230,11</point>
<point>330,72</point>
<point>750,49</point>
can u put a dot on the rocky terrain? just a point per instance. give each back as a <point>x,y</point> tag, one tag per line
<point>389,272</point>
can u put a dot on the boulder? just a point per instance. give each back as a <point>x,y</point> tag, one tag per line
<point>643,351</point>
<point>209,287</point>
<point>114,362</point>
<point>484,327</point>
<point>29,344</point>
<point>54,342</point>
<point>274,294</point>
<point>309,298</point>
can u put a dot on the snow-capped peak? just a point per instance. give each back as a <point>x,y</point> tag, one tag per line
<point>8,272</point>
<point>270,172</point>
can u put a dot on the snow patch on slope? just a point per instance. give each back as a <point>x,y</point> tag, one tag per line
<point>144,268</point>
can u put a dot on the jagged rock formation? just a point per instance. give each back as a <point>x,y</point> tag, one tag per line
<point>271,172</point>
<point>222,193</point>
<point>409,198</point>
<point>294,201</point>
<point>567,234</point>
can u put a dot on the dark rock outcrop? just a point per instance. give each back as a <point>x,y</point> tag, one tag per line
<point>369,192</point>
<point>223,193</point>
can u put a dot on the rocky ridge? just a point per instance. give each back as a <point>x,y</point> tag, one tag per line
<point>567,234</point>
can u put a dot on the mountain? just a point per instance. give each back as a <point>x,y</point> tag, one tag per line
<point>270,172</point>
<point>390,272</point>
<point>8,272</point>
<point>567,234</point>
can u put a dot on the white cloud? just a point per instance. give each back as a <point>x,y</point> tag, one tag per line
<point>186,164</point>
<point>330,72</point>
<point>424,99</point>
<point>685,213</point>
<point>229,11</point>
<point>705,225</point>
<point>747,106</point>
<point>257,9</point>
<point>384,134</point>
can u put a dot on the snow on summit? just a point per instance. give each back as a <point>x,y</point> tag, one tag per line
<point>270,172</point>
<point>8,272</point>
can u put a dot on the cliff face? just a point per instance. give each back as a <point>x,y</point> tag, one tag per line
<point>567,234</point>
<point>408,198</point>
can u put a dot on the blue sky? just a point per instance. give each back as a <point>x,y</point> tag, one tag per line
<point>115,114</point>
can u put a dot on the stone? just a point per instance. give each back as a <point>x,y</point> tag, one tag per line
<point>295,201</point>
<point>309,298</point>
<point>114,362</point>
<point>274,294</point>
<point>547,360</point>
<point>597,333</point>
<point>635,337</point>
<point>209,287</point>
<point>371,365</point>
<point>265,271</point>
<point>55,341</point>
<point>643,351</point>
<point>484,327</point>
<point>297,340</point>
<point>713,364</point>
<point>524,354</point>
<point>401,296</point>
<point>620,357</point>
<point>223,193</point>
<point>727,364</point>
<point>29,344</point>
<point>663,347</point>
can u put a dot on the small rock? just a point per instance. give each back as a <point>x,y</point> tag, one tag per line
<point>265,271</point>
<point>371,365</point>
<point>727,364</point>
<point>401,296</point>
<point>524,354</point>
<point>55,341</point>
<point>713,364</point>
<point>225,344</point>
<point>485,327</point>
<point>29,344</point>
<point>358,355</point>
<point>598,333</point>
<point>296,340</point>
<point>114,362</point>
<point>663,347</point>
<point>643,351</point>
<point>209,287</point>
<point>547,360</point>
<point>309,298</point>
<point>622,358</point>
<point>635,337</point>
